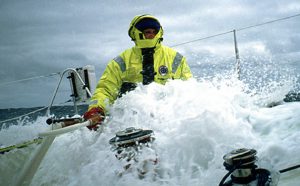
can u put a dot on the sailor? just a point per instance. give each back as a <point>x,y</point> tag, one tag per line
<point>148,61</point>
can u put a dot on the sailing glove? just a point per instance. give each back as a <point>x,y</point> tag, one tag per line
<point>96,116</point>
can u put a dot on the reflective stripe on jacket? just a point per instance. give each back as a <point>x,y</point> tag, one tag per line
<point>127,67</point>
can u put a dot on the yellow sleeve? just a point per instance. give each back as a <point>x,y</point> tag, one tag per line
<point>108,87</point>
<point>183,72</point>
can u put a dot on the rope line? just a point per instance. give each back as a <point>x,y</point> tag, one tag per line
<point>31,78</point>
<point>238,29</point>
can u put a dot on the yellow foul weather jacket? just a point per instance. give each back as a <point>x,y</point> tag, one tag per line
<point>127,68</point>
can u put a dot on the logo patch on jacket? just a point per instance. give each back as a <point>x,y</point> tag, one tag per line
<point>163,70</point>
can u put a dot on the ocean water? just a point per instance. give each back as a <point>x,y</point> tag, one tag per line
<point>195,124</point>
<point>32,114</point>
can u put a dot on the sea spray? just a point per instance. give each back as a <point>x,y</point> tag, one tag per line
<point>195,123</point>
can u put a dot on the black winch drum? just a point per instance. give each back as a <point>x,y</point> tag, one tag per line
<point>131,136</point>
<point>242,156</point>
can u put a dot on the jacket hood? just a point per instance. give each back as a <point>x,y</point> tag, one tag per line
<point>141,22</point>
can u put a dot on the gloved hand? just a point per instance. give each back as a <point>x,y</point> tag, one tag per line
<point>96,116</point>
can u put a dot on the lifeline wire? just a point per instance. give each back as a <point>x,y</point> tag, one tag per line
<point>239,29</point>
<point>216,35</point>
<point>36,77</point>
<point>15,118</point>
<point>268,22</point>
<point>29,113</point>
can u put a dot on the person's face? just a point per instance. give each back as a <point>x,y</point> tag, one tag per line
<point>149,33</point>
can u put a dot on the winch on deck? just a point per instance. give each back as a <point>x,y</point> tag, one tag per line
<point>244,172</point>
<point>131,136</point>
<point>130,146</point>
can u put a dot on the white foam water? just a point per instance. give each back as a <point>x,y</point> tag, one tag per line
<point>195,124</point>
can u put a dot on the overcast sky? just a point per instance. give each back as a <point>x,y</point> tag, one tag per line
<point>40,37</point>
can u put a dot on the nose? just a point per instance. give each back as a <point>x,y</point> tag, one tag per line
<point>150,34</point>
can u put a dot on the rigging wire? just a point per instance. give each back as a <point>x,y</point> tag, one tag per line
<point>238,29</point>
